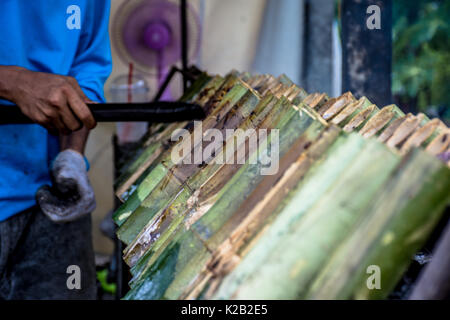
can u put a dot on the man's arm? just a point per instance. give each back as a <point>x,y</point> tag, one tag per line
<point>72,195</point>
<point>53,101</point>
<point>92,64</point>
<point>75,141</point>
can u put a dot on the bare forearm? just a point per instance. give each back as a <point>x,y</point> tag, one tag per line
<point>75,141</point>
<point>8,81</point>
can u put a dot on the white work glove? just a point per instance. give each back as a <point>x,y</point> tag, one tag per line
<point>71,195</point>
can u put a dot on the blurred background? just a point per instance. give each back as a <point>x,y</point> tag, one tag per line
<point>421,56</point>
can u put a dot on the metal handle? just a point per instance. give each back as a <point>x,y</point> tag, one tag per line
<point>162,111</point>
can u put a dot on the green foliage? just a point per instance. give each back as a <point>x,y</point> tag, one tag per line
<point>421,68</point>
<point>102,277</point>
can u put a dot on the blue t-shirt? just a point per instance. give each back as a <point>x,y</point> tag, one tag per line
<point>66,37</point>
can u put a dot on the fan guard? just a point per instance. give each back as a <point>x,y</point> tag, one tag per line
<point>147,33</point>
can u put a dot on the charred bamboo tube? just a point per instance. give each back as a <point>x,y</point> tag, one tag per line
<point>420,135</point>
<point>128,182</point>
<point>394,125</point>
<point>404,130</point>
<point>380,121</point>
<point>343,117</point>
<point>204,86</point>
<point>361,118</point>
<point>229,91</point>
<point>143,161</point>
<point>328,111</point>
<point>166,181</point>
<point>440,143</point>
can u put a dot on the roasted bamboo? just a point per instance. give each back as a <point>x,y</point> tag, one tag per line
<point>349,177</point>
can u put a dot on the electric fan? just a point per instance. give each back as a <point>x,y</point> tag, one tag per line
<point>147,34</point>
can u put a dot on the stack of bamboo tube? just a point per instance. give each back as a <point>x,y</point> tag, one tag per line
<point>357,186</point>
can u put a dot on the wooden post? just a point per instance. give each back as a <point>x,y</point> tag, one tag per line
<point>318,52</point>
<point>367,53</point>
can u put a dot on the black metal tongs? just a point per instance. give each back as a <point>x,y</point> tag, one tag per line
<point>161,111</point>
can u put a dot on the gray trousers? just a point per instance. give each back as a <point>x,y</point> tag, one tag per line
<point>40,259</point>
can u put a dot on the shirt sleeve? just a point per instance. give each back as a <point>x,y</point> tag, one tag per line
<point>93,63</point>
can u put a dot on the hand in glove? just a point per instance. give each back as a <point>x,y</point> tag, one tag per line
<point>71,195</point>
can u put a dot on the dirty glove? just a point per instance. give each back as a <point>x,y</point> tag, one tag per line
<point>71,195</point>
